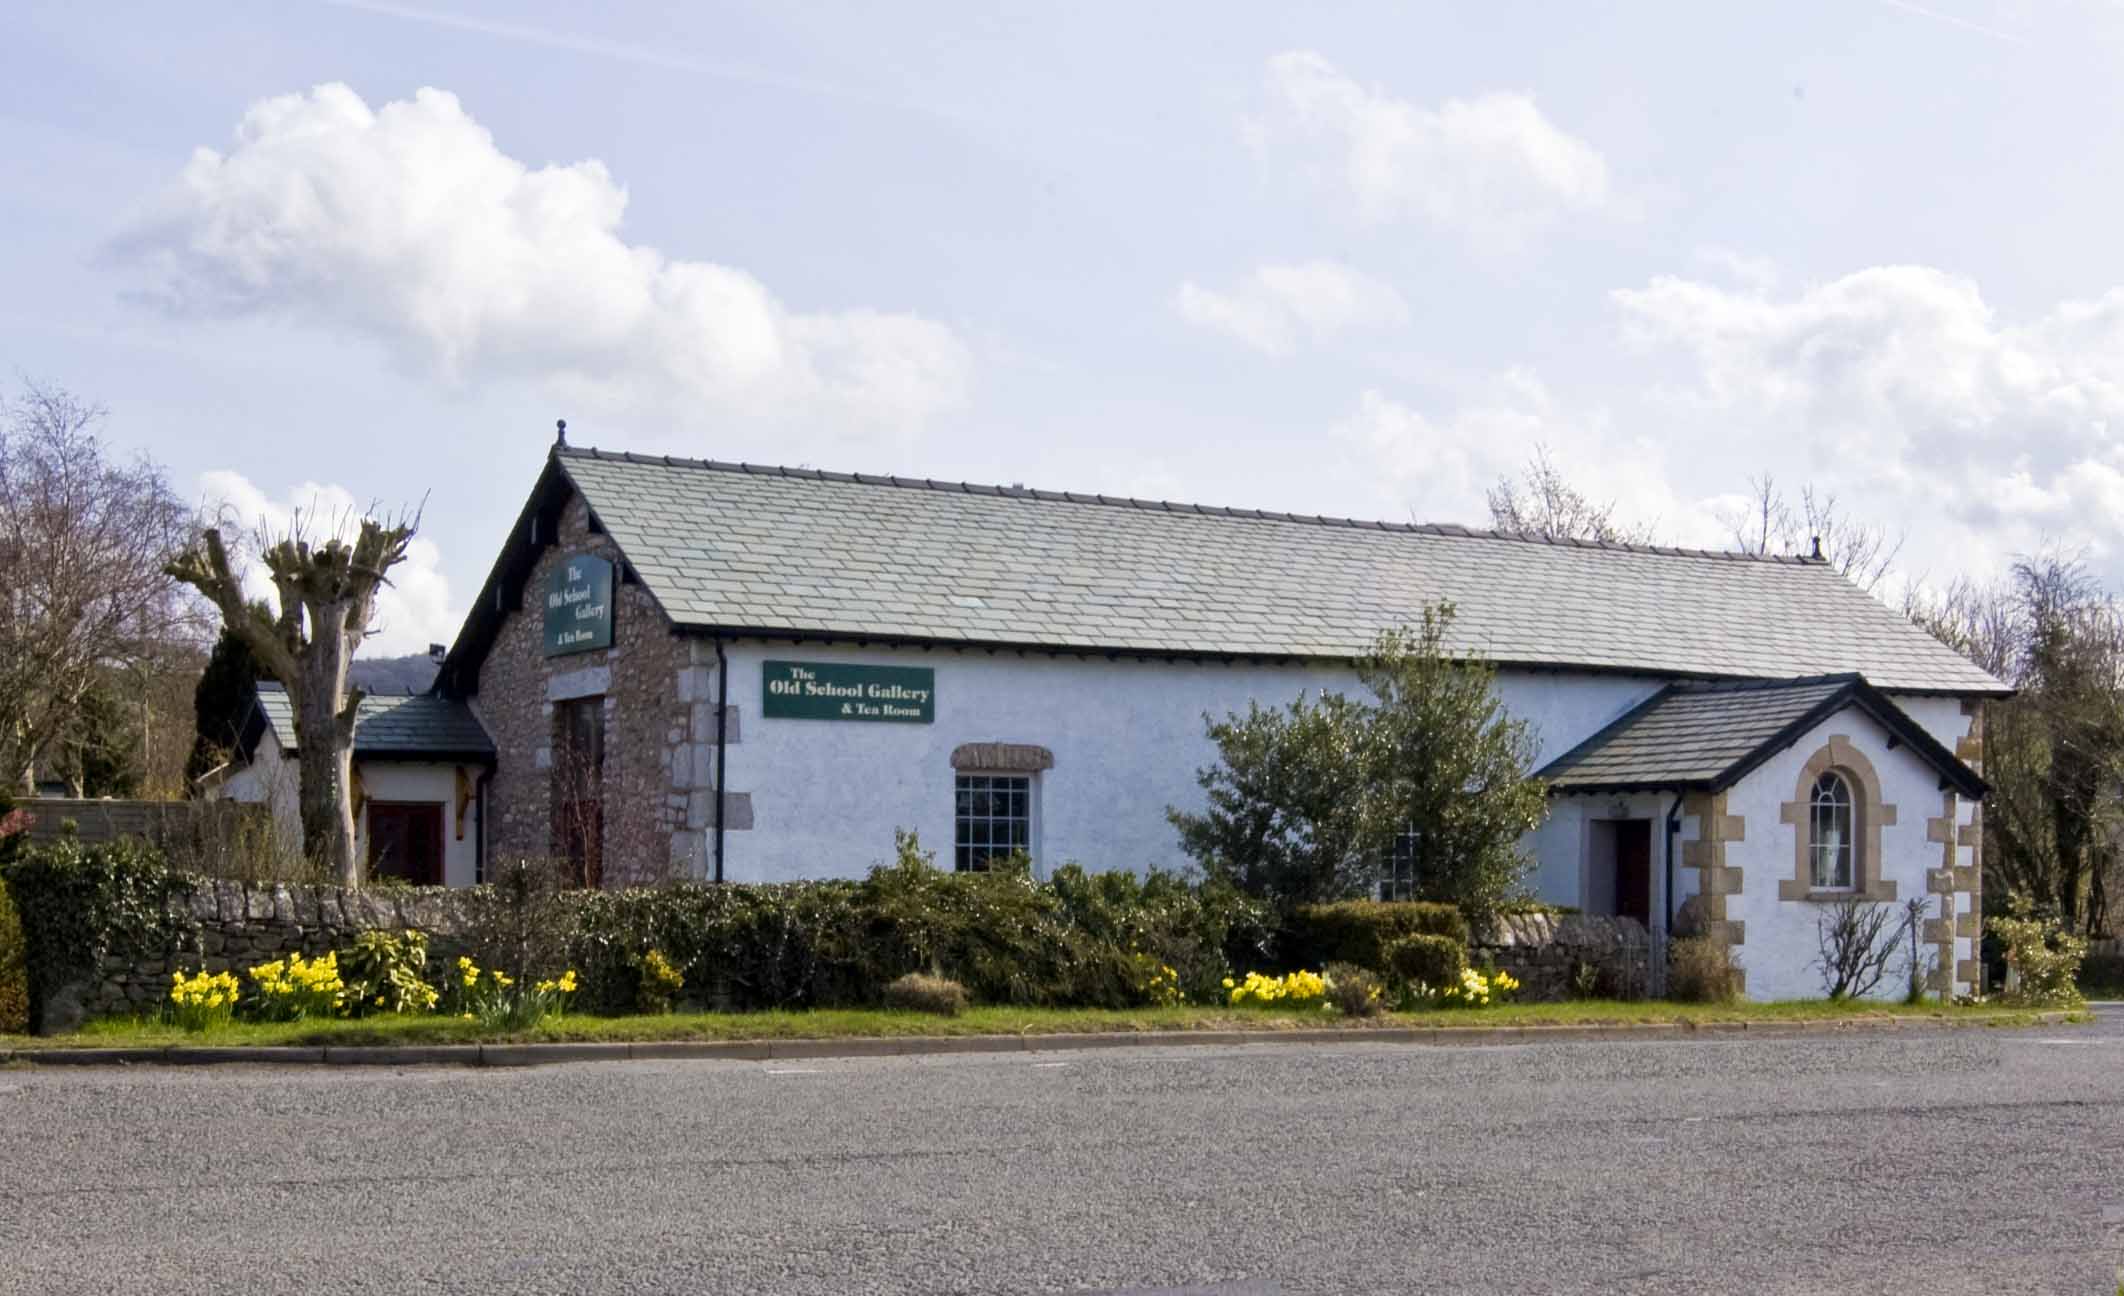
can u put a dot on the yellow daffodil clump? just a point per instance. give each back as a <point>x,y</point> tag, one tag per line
<point>293,988</point>
<point>203,1000</point>
<point>1299,989</point>
<point>1472,990</point>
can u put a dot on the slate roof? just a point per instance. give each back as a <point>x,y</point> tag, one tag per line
<point>420,726</point>
<point>734,549</point>
<point>1705,737</point>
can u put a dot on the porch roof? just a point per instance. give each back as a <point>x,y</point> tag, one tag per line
<point>1705,737</point>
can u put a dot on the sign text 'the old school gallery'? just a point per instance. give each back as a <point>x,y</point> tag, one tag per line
<point>831,691</point>
<point>579,605</point>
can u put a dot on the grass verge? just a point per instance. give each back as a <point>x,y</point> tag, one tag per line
<point>873,1023</point>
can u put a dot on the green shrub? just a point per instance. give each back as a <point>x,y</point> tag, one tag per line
<point>14,968</point>
<point>1426,960</point>
<point>1360,931</point>
<point>917,992</point>
<point>1078,940</point>
<point>78,903</point>
<point>2045,957</point>
<point>1354,991</point>
<point>1700,969</point>
<point>385,972</point>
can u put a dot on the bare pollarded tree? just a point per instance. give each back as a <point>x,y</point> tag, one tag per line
<point>1543,502</point>
<point>84,594</point>
<point>1864,552</point>
<point>326,593</point>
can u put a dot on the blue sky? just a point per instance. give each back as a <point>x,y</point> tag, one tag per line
<point>1356,260</point>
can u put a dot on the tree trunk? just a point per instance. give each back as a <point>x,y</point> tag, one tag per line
<point>325,746</point>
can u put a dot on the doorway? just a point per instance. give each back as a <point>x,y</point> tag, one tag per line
<point>1619,869</point>
<point>406,841</point>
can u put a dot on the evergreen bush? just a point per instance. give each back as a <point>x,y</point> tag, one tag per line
<point>1426,960</point>
<point>1360,931</point>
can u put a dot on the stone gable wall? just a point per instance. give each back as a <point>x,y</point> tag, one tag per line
<point>648,723</point>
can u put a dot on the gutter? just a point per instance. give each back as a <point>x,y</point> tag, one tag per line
<point>722,758</point>
<point>1673,827</point>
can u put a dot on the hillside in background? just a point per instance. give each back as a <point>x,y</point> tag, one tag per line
<point>412,673</point>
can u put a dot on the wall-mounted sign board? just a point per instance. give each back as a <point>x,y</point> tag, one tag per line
<point>579,605</point>
<point>832,691</point>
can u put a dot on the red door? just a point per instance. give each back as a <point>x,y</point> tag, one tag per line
<point>406,841</point>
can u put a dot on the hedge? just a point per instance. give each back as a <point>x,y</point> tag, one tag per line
<point>14,968</point>
<point>1360,931</point>
<point>78,903</point>
<point>1080,939</point>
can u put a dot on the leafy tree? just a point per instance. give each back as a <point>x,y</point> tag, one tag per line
<point>222,698</point>
<point>2053,752</point>
<point>1449,767</point>
<point>1306,801</point>
<point>1286,808</point>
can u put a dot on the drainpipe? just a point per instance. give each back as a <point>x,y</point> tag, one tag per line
<point>722,733</point>
<point>1673,827</point>
<point>479,825</point>
<point>1666,926</point>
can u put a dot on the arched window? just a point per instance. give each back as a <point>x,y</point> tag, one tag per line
<point>1829,833</point>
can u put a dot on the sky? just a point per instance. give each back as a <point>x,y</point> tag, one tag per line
<point>1356,260</point>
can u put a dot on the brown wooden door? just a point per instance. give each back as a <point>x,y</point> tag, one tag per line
<point>406,841</point>
<point>1633,869</point>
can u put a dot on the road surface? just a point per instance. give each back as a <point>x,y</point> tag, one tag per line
<point>1964,1161</point>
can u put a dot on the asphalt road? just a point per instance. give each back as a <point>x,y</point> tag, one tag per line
<point>1968,1161</point>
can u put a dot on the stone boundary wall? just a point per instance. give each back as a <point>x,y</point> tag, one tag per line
<point>232,926</point>
<point>1544,952</point>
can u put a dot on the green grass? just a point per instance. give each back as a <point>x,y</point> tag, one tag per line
<point>846,1023</point>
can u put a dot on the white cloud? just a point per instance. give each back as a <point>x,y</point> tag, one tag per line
<point>412,611</point>
<point>1492,168</point>
<point>1428,467</point>
<point>406,224</point>
<point>1906,389</point>
<point>1277,306</point>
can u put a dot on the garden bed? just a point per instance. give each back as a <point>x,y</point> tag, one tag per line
<point>865,1023</point>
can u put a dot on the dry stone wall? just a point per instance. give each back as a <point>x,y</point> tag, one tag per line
<point>1547,953</point>
<point>231,926</point>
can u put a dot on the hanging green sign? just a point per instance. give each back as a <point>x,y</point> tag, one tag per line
<point>829,691</point>
<point>579,605</point>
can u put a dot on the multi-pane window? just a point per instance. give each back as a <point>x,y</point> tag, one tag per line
<point>1397,875</point>
<point>994,818</point>
<point>1829,844</point>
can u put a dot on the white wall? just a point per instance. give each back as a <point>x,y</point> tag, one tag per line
<point>1127,738</point>
<point>271,778</point>
<point>1781,949</point>
<point>412,781</point>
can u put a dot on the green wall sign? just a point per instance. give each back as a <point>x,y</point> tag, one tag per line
<point>829,691</point>
<point>579,605</point>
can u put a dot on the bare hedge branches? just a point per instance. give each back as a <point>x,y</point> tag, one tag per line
<point>1858,939</point>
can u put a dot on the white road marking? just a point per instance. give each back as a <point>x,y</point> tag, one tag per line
<point>1050,1064</point>
<point>796,1071</point>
